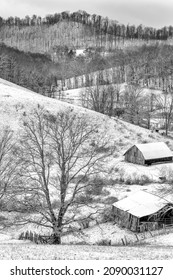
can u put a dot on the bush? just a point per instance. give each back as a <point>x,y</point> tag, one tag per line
<point>167,174</point>
<point>134,178</point>
<point>104,242</point>
<point>84,198</point>
<point>2,218</point>
<point>81,178</point>
<point>144,141</point>
<point>110,200</point>
<point>102,149</point>
<point>94,190</point>
<point>107,216</point>
<point>96,186</point>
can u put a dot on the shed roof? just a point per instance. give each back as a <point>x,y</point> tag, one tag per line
<point>141,203</point>
<point>154,150</point>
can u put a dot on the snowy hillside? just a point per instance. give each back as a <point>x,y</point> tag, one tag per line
<point>15,102</point>
<point>121,177</point>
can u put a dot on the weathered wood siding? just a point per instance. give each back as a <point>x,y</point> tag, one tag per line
<point>125,219</point>
<point>135,156</point>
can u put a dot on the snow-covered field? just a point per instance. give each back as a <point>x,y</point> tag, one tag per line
<point>15,102</point>
<point>81,252</point>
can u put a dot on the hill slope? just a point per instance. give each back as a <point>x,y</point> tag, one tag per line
<point>15,100</point>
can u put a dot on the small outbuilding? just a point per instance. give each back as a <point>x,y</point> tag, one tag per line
<point>142,211</point>
<point>149,153</point>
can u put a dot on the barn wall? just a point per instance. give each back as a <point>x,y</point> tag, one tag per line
<point>125,219</point>
<point>135,156</point>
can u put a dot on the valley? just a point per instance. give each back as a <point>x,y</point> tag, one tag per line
<point>76,92</point>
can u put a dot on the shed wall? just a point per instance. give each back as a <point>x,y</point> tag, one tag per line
<point>125,219</point>
<point>134,155</point>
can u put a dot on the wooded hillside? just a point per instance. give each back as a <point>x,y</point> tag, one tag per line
<point>76,30</point>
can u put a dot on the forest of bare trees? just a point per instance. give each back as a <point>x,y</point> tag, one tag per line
<point>102,29</point>
<point>39,54</point>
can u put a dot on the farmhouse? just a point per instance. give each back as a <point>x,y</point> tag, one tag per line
<point>149,153</point>
<point>143,211</point>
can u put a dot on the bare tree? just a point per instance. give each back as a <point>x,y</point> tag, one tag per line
<point>57,154</point>
<point>102,99</point>
<point>164,104</point>
<point>138,105</point>
<point>8,164</point>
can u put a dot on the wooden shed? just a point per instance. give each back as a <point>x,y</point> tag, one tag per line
<point>142,211</point>
<point>149,153</point>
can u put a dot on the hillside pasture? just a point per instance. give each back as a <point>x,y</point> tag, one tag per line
<point>15,104</point>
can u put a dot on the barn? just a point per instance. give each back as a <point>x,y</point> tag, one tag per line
<point>149,153</point>
<point>142,211</point>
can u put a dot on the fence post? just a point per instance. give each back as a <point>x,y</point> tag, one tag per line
<point>123,241</point>
<point>137,237</point>
<point>21,236</point>
<point>31,235</point>
<point>35,238</point>
<point>27,235</point>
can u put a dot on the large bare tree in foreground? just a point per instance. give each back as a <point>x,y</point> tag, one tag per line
<point>57,154</point>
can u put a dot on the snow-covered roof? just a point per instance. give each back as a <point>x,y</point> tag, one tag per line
<point>141,204</point>
<point>154,150</point>
<point>80,52</point>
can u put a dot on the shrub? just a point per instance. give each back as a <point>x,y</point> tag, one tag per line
<point>96,186</point>
<point>2,218</point>
<point>144,141</point>
<point>110,200</point>
<point>104,242</point>
<point>167,174</point>
<point>81,178</point>
<point>105,192</point>
<point>139,134</point>
<point>102,149</point>
<point>94,190</point>
<point>107,215</point>
<point>84,198</point>
<point>135,178</point>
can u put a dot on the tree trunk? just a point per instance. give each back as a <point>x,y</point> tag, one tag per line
<point>56,236</point>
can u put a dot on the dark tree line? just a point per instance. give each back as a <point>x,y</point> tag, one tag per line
<point>102,25</point>
<point>32,71</point>
<point>149,66</point>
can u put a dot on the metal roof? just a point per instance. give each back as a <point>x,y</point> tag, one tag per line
<point>154,150</point>
<point>141,203</point>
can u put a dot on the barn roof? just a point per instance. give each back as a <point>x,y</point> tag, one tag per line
<point>154,150</point>
<point>141,204</point>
